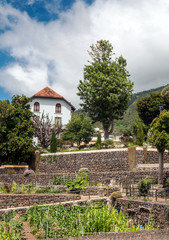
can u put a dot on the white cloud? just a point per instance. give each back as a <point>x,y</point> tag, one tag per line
<point>54,54</point>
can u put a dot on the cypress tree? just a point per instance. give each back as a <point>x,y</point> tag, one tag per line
<point>98,142</point>
<point>53,143</point>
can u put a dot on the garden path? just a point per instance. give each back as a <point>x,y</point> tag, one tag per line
<point>27,232</point>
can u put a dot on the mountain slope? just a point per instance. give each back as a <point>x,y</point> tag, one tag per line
<point>131,113</point>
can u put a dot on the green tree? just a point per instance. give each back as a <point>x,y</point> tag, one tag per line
<point>106,90</point>
<point>165,92</point>
<point>79,129</point>
<point>16,132</point>
<point>98,142</point>
<point>6,111</point>
<point>148,107</point>
<point>159,137</point>
<point>53,143</point>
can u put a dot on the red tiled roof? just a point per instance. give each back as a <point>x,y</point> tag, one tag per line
<point>49,93</point>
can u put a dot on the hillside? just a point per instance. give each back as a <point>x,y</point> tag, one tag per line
<point>131,113</point>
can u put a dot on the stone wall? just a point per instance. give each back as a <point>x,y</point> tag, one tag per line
<point>11,169</point>
<point>146,235</point>
<point>141,211</point>
<point>21,200</point>
<point>126,177</point>
<point>151,158</point>
<point>95,161</point>
<point>100,191</point>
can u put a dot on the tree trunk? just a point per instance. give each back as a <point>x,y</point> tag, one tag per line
<point>108,129</point>
<point>160,168</point>
<point>106,132</point>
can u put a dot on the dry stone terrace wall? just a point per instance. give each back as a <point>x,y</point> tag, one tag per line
<point>152,156</point>
<point>21,200</point>
<point>4,169</point>
<point>95,161</point>
<point>146,235</point>
<point>126,177</point>
<point>141,211</point>
<point>94,177</point>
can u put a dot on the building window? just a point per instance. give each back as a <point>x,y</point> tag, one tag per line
<point>36,107</point>
<point>58,121</point>
<point>58,108</point>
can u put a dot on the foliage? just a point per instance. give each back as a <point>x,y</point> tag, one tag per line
<point>53,143</point>
<point>98,142</point>
<point>6,111</point>
<point>79,129</point>
<point>108,142</point>
<point>43,129</point>
<point>140,134</point>
<point>61,221</point>
<point>80,182</point>
<point>165,92</point>
<point>11,227</point>
<point>148,107</point>
<point>116,195</point>
<point>159,137</point>
<point>16,130</point>
<point>159,132</point>
<point>167,182</point>
<point>144,186</point>
<point>49,158</point>
<point>131,114</point>
<point>139,131</point>
<point>62,180</point>
<point>126,138</point>
<point>106,90</point>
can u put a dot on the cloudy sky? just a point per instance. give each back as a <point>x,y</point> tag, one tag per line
<point>44,43</point>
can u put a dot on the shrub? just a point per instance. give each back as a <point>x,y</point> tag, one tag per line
<point>98,142</point>
<point>108,142</point>
<point>144,186</point>
<point>116,195</point>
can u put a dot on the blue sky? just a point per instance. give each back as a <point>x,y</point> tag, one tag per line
<point>44,43</point>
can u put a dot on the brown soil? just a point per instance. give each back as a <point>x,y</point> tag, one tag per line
<point>27,235</point>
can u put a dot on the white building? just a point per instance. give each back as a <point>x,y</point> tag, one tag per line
<point>50,103</point>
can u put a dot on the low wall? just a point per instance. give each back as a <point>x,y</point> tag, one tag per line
<point>127,177</point>
<point>141,212</point>
<point>146,235</point>
<point>95,161</point>
<point>21,200</point>
<point>100,191</point>
<point>11,169</point>
<point>151,157</point>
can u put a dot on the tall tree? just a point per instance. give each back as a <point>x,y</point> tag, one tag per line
<point>159,137</point>
<point>148,107</point>
<point>79,129</point>
<point>16,132</point>
<point>106,89</point>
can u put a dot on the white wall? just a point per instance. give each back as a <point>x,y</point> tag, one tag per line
<point>47,105</point>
